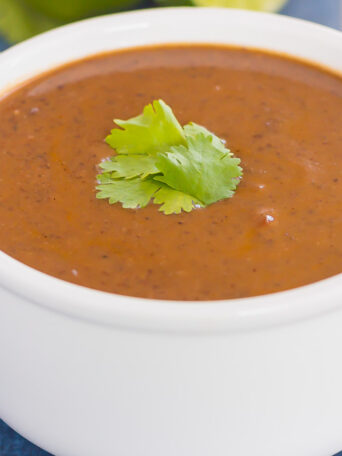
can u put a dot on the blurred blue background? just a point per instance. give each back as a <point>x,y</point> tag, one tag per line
<point>327,12</point>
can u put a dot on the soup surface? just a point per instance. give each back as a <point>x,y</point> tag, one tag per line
<point>282,228</point>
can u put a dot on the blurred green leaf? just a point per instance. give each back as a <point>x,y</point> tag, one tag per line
<point>18,21</point>
<point>258,5</point>
<point>70,10</point>
<point>21,19</point>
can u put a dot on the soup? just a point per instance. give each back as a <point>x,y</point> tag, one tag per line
<point>281,229</point>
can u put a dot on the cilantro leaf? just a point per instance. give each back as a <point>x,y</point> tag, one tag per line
<point>129,166</point>
<point>193,129</point>
<point>200,170</point>
<point>155,129</point>
<point>132,194</point>
<point>173,201</point>
<point>158,160</point>
<point>137,193</point>
<point>104,178</point>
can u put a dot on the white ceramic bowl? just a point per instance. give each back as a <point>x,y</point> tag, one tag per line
<point>86,373</point>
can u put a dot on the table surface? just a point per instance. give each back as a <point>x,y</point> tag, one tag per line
<point>327,12</point>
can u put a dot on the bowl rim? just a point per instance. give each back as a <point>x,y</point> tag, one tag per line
<point>112,309</point>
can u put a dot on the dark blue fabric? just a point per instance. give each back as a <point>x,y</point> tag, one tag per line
<point>3,44</point>
<point>12,444</point>
<point>323,11</point>
<point>327,12</point>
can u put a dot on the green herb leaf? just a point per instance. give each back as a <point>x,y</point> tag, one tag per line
<point>129,166</point>
<point>178,168</point>
<point>173,201</point>
<point>132,194</point>
<point>200,170</point>
<point>155,129</point>
<point>192,129</point>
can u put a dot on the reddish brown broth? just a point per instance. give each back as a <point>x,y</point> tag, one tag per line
<point>283,227</point>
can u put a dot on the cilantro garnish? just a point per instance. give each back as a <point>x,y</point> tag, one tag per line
<point>156,129</point>
<point>178,168</point>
